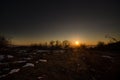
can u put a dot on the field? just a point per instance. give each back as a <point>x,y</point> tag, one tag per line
<point>74,64</point>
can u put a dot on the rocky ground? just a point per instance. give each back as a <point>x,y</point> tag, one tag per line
<point>59,65</point>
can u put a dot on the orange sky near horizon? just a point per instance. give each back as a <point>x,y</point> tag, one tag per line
<point>34,22</point>
<point>72,41</point>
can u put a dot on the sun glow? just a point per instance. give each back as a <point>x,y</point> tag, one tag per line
<point>77,43</point>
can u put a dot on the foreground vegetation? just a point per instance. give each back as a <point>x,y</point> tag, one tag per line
<point>101,62</point>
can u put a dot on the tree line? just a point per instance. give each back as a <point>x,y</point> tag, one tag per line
<point>114,44</point>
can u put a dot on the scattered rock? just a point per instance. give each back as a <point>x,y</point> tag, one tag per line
<point>37,62</point>
<point>40,77</point>
<point>19,61</point>
<point>10,56</point>
<point>27,58</point>
<point>3,76</point>
<point>14,71</point>
<point>42,60</point>
<point>107,56</point>
<point>29,65</point>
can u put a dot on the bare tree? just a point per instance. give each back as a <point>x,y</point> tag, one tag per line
<point>66,43</point>
<point>52,43</point>
<point>112,39</point>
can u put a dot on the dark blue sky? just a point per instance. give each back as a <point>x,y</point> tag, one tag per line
<point>39,21</point>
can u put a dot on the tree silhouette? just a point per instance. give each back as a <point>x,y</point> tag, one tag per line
<point>100,44</point>
<point>66,44</point>
<point>57,44</point>
<point>52,44</point>
<point>112,39</point>
<point>3,42</point>
<point>83,46</point>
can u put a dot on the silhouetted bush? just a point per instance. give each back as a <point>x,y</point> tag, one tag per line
<point>114,46</point>
<point>100,44</point>
<point>66,44</point>
<point>83,46</point>
<point>4,42</point>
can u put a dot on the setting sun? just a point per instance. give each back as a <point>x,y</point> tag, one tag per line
<point>77,42</point>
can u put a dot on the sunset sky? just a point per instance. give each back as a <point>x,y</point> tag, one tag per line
<point>88,22</point>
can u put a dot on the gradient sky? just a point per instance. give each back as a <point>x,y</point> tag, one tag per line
<point>44,20</point>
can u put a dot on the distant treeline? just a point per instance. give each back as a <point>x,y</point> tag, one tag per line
<point>112,46</point>
<point>58,45</point>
